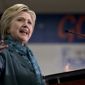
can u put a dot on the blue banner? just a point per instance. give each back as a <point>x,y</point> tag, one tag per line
<point>52,28</point>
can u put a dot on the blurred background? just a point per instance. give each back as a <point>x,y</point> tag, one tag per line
<point>58,41</point>
<point>48,6</point>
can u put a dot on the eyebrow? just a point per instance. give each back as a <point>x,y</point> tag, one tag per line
<point>24,18</point>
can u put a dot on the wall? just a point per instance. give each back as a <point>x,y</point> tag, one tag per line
<point>53,57</point>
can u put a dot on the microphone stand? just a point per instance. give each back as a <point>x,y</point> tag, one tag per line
<point>78,34</point>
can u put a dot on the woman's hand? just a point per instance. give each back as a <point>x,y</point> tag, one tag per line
<point>2,45</point>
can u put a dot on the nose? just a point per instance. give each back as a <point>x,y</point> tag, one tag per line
<point>25,25</point>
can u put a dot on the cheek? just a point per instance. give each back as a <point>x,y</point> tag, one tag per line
<point>31,31</point>
<point>15,26</point>
<point>13,29</point>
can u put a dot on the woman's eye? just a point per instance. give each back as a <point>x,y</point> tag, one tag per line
<point>29,22</point>
<point>19,19</point>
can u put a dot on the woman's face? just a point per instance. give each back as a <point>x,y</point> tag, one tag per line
<point>21,27</point>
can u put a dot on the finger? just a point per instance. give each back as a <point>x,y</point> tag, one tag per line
<point>3,46</point>
<point>1,42</point>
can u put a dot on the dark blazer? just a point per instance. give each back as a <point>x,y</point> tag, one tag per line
<point>15,67</point>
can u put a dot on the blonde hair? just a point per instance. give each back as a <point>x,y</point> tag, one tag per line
<point>9,14</point>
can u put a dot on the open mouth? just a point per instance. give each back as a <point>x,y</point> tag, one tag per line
<point>25,31</point>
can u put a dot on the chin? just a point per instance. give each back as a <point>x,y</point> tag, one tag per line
<point>25,41</point>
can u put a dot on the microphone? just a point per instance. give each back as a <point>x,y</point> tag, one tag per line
<point>78,34</point>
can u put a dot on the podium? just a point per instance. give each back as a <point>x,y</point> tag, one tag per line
<point>76,77</point>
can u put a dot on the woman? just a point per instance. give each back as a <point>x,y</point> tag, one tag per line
<point>17,63</point>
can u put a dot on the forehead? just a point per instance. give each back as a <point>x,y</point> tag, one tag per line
<point>24,15</point>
